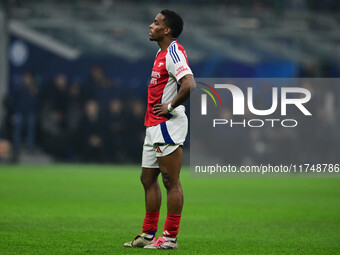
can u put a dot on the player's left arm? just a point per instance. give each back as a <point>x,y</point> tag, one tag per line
<point>188,84</point>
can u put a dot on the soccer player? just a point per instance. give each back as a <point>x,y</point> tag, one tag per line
<point>166,129</point>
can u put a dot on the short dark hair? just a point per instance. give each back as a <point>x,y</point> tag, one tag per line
<point>173,21</point>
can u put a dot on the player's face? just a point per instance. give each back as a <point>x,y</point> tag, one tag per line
<point>158,28</point>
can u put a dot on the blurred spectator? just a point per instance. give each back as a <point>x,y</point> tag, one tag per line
<point>74,106</point>
<point>25,108</point>
<point>58,95</point>
<point>91,134</point>
<point>310,70</point>
<point>116,131</point>
<point>99,87</point>
<point>73,117</point>
<point>6,123</point>
<point>135,129</point>
<point>5,132</point>
<point>53,117</point>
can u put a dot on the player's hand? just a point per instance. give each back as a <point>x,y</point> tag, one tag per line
<point>160,109</point>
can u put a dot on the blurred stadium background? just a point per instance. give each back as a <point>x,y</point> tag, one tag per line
<point>74,74</point>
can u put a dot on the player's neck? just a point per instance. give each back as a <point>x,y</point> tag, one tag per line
<point>164,44</point>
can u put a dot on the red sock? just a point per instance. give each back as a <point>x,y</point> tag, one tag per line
<point>171,225</point>
<point>150,223</point>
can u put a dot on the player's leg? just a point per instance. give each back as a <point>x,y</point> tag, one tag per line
<point>153,199</point>
<point>149,179</point>
<point>170,167</point>
<point>153,196</point>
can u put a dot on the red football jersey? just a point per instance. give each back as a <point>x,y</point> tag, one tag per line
<point>169,67</point>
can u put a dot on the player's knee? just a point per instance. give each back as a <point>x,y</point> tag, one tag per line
<point>169,182</point>
<point>143,180</point>
<point>146,181</point>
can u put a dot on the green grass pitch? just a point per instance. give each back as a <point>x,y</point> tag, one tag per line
<point>92,209</point>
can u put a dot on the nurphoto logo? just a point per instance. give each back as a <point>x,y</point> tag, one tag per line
<point>295,96</point>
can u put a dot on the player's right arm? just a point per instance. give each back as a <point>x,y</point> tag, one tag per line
<point>188,84</point>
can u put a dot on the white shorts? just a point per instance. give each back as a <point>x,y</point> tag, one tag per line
<point>164,138</point>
